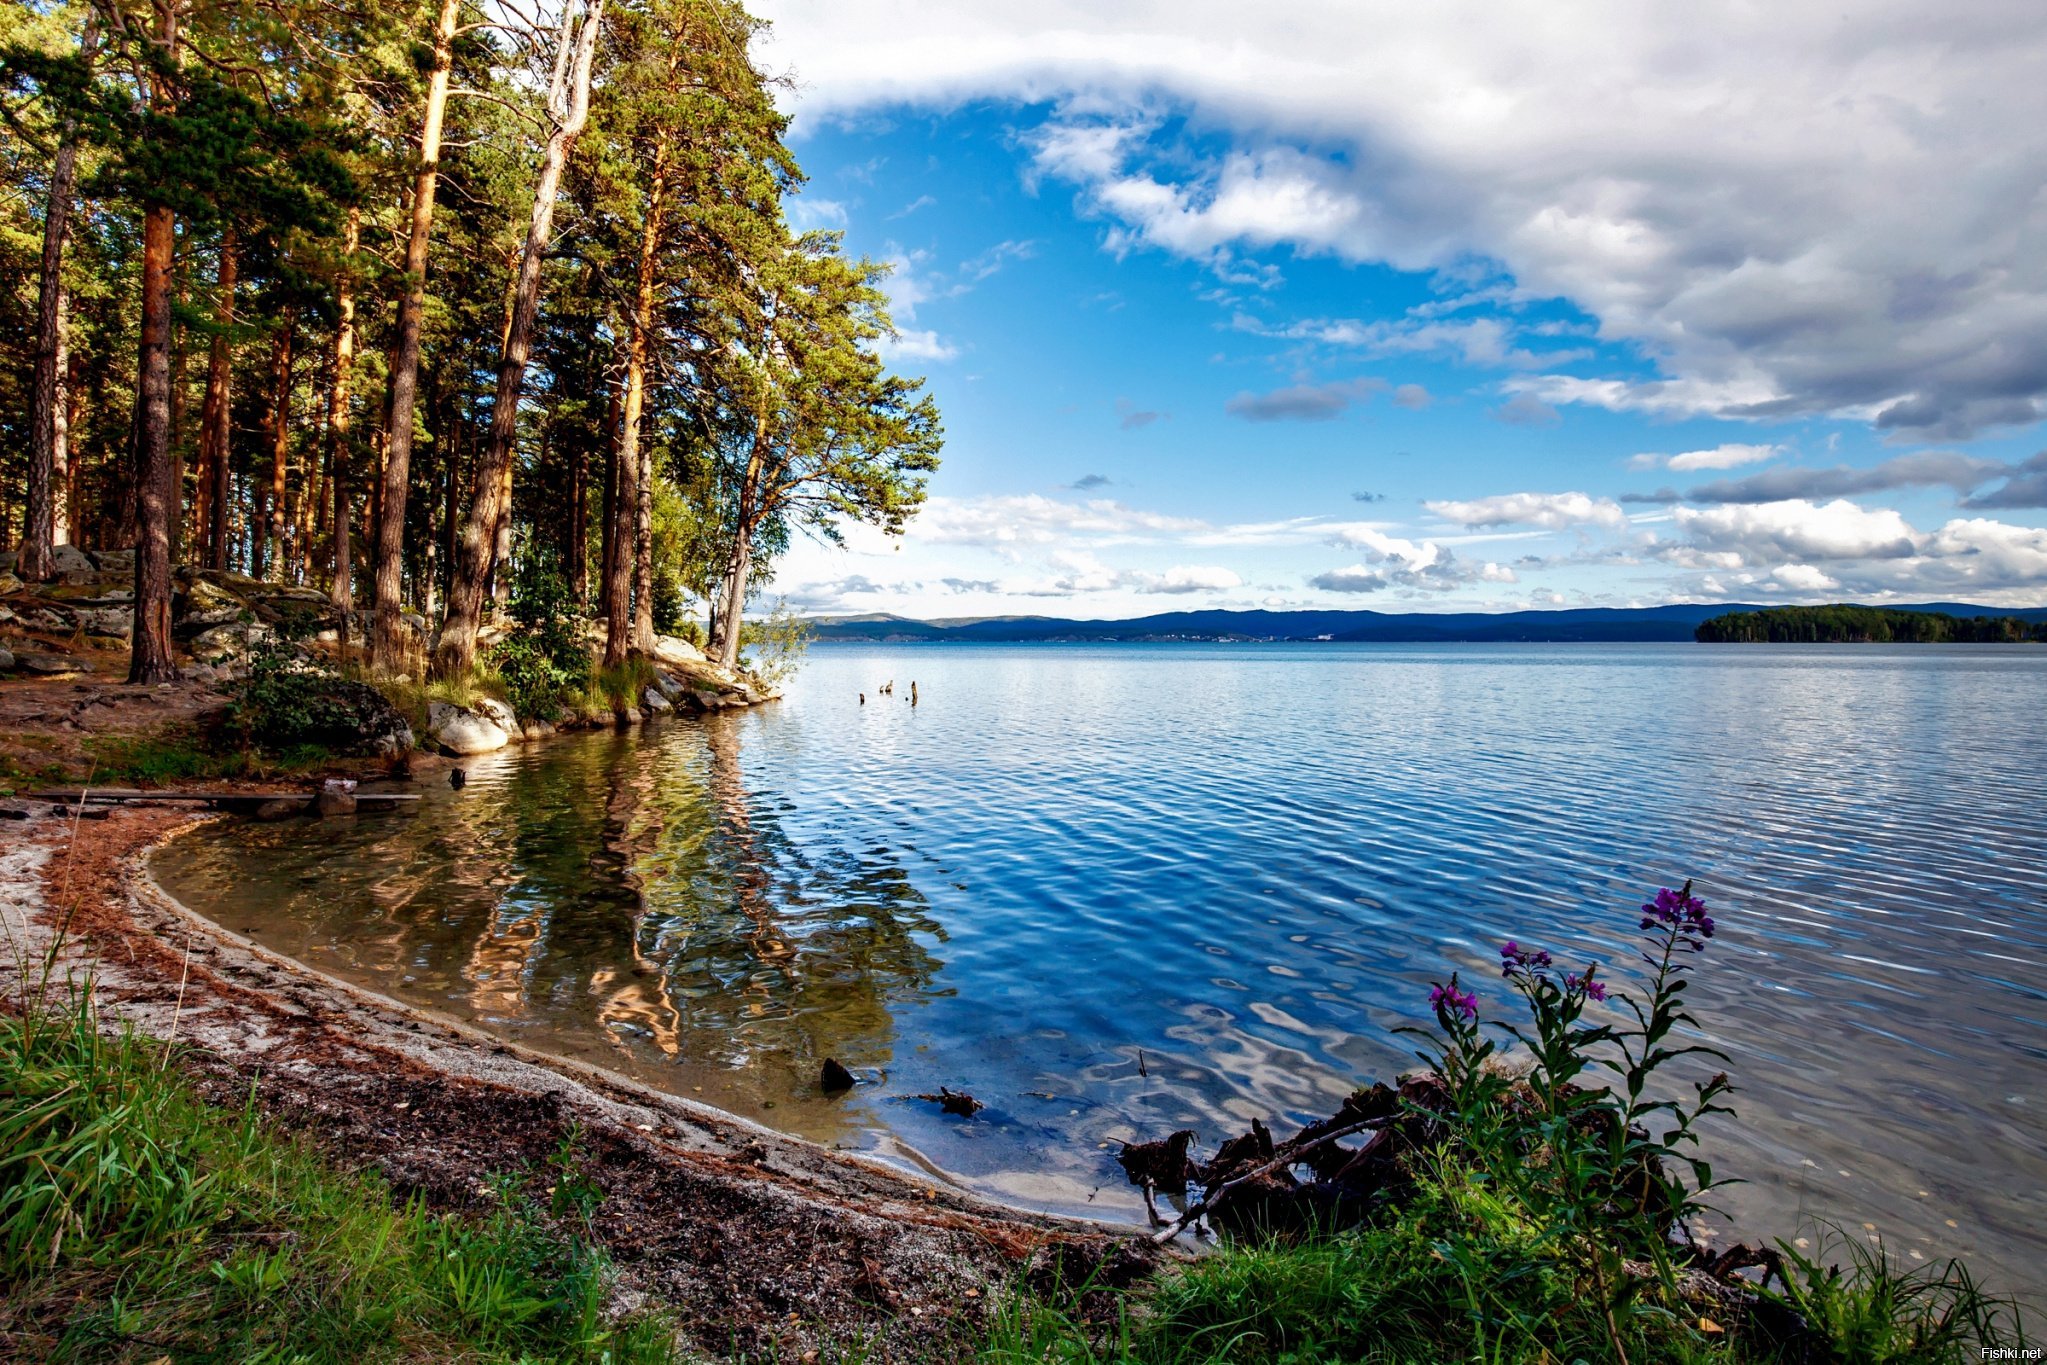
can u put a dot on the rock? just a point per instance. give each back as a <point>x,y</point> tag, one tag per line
<point>69,559</point>
<point>113,561</point>
<point>200,673</point>
<point>111,621</point>
<point>704,699</point>
<point>834,1077</point>
<point>671,650</point>
<point>498,714</point>
<point>280,809</point>
<point>9,583</point>
<point>460,732</point>
<point>6,660</point>
<point>229,644</point>
<point>204,595</point>
<point>670,685</point>
<point>656,702</point>
<point>337,797</point>
<point>52,665</point>
<point>538,729</point>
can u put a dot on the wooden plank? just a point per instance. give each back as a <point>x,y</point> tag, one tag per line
<point>115,795</point>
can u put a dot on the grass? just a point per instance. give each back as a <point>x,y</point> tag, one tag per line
<point>138,1223</point>
<point>413,695</point>
<point>1459,1275</point>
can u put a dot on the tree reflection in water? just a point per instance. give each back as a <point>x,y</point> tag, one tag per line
<point>628,888</point>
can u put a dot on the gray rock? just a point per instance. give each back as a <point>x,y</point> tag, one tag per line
<point>673,651</point>
<point>656,702</point>
<point>112,561</point>
<point>230,644</point>
<point>461,732</point>
<point>6,660</point>
<point>69,559</point>
<point>117,622</point>
<point>52,665</point>
<point>671,686</point>
<point>538,729</point>
<point>9,583</point>
<point>280,809</point>
<point>498,714</point>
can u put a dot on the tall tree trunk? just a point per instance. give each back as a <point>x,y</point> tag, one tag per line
<point>569,107</point>
<point>576,551</point>
<point>268,551</point>
<point>182,301</point>
<point>45,413</point>
<point>341,591</point>
<point>633,571</point>
<point>216,418</point>
<point>63,474</point>
<point>389,588</point>
<point>739,562</point>
<point>607,557</point>
<point>150,661</point>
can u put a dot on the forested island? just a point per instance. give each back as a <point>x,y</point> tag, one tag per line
<point>1845,624</point>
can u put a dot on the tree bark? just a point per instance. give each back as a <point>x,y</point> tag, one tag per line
<point>269,547</point>
<point>385,636</point>
<point>739,563</point>
<point>341,592</point>
<point>635,525</point>
<point>216,418</point>
<point>46,415</point>
<point>150,661</point>
<point>63,475</point>
<point>607,557</point>
<point>569,108</point>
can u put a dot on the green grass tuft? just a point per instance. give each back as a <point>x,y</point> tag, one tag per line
<point>138,1222</point>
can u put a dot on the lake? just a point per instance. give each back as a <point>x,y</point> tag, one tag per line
<point>1114,891</point>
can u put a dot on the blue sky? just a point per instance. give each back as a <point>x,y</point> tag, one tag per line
<point>1559,318</point>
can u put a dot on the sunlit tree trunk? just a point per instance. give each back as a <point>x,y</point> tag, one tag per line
<point>341,590</point>
<point>389,587</point>
<point>151,660</point>
<point>569,106</point>
<point>632,574</point>
<point>46,414</point>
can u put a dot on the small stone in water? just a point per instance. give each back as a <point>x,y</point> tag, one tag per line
<point>834,1077</point>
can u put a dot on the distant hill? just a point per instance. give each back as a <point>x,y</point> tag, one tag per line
<point>1867,625</point>
<point>1585,625</point>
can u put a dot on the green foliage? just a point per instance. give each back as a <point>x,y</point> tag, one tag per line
<point>1843,624</point>
<point>1873,1312</point>
<point>290,702</point>
<point>543,664</point>
<point>775,645</point>
<point>131,1210</point>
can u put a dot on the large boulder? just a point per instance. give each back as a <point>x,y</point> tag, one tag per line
<point>69,559</point>
<point>229,646</point>
<point>117,622</point>
<point>458,731</point>
<point>656,702</point>
<point>499,714</point>
<point>675,652</point>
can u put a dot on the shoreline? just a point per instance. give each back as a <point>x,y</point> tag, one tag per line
<point>830,1243</point>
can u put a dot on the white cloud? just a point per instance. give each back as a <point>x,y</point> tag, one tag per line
<point>913,343</point>
<point>1798,530</point>
<point>1392,562</point>
<point>1034,519</point>
<point>1788,213</point>
<point>1730,456</point>
<point>1186,578</point>
<point>1554,511</point>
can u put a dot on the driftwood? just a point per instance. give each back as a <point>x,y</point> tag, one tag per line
<point>1290,1153</point>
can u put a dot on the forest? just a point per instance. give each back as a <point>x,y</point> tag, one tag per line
<point>415,302</point>
<point>1844,624</point>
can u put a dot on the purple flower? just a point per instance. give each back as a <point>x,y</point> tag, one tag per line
<point>1679,910</point>
<point>1594,990</point>
<point>1516,960</point>
<point>1445,999</point>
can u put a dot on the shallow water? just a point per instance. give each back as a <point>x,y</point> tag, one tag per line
<point>1116,891</point>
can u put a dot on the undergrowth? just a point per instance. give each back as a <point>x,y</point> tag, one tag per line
<point>138,1223</point>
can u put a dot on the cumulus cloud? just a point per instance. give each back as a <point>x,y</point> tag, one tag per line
<point>1302,402</point>
<point>1796,531</point>
<point>1411,396</point>
<point>916,344</point>
<point>1487,341</point>
<point>1391,562</point>
<point>1554,511</point>
<point>1787,214</point>
<point>1088,482</point>
<point>1729,456</point>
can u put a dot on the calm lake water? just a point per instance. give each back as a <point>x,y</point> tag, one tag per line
<point>1246,864</point>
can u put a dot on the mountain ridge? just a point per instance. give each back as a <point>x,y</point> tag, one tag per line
<point>1621,625</point>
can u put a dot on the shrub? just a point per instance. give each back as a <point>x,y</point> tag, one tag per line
<point>775,643</point>
<point>290,701</point>
<point>543,663</point>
